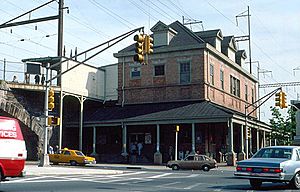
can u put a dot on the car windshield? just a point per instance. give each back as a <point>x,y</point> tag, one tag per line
<point>274,153</point>
<point>79,153</point>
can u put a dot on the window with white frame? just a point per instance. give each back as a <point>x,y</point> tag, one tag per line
<point>211,74</point>
<point>159,70</point>
<point>222,79</point>
<point>185,72</point>
<point>234,86</point>
<point>135,72</point>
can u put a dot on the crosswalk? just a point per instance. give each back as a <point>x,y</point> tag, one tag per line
<point>126,178</point>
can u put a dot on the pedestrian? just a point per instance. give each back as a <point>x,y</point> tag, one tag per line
<point>140,148</point>
<point>133,148</point>
<point>43,79</point>
<point>27,78</point>
<point>15,79</point>
<point>39,152</point>
<point>37,79</point>
<point>50,149</point>
<point>56,149</point>
<point>171,151</point>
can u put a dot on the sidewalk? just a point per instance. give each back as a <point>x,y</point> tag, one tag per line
<point>31,168</point>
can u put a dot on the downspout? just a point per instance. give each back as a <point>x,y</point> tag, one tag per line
<point>207,75</point>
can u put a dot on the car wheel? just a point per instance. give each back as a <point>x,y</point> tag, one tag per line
<point>295,182</point>
<point>205,167</point>
<point>73,163</point>
<point>255,183</point>
<point>0,175</point>
<point>175,167</point>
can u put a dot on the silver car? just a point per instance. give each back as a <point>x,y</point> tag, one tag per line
<point>271,164</point>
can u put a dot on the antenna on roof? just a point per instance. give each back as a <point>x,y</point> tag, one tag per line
<point>187,21</point>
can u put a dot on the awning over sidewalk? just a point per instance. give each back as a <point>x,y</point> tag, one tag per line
<point>164,113</point>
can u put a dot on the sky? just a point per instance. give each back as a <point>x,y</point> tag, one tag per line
<point>275,29</point>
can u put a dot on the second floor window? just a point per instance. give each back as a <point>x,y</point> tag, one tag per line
<point>185,73</point>
<point>159,70</point>
<point>222,79</point>
<point>246,92</point>
<point>252,96</point>
<point>234,86</point>
<point>135,72</point>
<point>211,74</point>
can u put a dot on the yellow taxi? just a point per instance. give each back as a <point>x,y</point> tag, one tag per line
<point>74,157</point>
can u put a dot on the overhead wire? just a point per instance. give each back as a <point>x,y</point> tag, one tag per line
<point>143,10</point>
<point>256,45</point>
<point>114,15</point>
<point>158,10</point>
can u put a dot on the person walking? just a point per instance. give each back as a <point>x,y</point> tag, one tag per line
<point>140,148</point>
<point>43,79</point>
<point>37,79</point>
<point>171,151</point>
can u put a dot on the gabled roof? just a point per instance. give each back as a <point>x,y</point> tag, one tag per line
<point>184,36</point>
<point>228,42</point>
<point>241,54</point>
<point>160,26</point>
<point>210,33</point>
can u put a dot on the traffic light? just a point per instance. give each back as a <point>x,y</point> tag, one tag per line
<point>280,100</point>
<point>139,48</point>
<point>283,102</point>
<point>148,44</point>
<point>50,99</point>
<point>249,133</point>
<point>53,121</point>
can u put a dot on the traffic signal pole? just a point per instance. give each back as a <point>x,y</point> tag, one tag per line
<point>44,161</point>
<point>248,134</point>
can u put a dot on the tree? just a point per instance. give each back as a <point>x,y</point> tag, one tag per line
<point>283,128</point>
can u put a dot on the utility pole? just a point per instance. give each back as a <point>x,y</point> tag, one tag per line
<point>60,28</point>
<point>45,157</point>
<point>246,37</point>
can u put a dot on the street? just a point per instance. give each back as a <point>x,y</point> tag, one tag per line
<point>136,180</point>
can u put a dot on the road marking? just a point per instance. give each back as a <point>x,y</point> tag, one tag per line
<point>192,186</point>
<point>27,179</point>
<point>45,181</point>
<point>139,180</point>
<point>218,190</point>
<point>189,176</point>
<point>158,176</point>
<point>193,175</point>
<point>169,186</point>
<point>127,174</point>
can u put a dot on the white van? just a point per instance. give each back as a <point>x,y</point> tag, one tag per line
<point>12,149</point>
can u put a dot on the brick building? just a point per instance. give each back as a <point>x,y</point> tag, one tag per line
<point>194,80</point>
